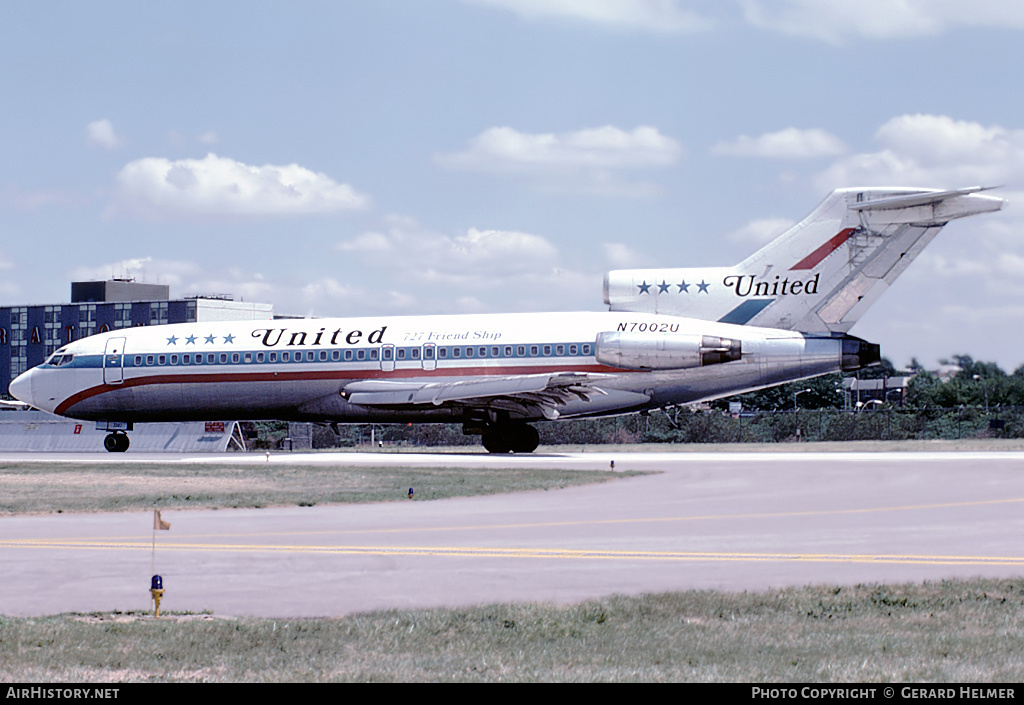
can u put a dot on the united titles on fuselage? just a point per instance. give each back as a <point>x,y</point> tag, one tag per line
<point>271,337</point>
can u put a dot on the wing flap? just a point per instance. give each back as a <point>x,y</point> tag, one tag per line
<point>544,390</point>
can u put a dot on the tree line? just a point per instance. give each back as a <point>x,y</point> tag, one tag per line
<point>977,400</point>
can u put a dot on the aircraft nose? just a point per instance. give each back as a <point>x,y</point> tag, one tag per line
<point>21,388</point>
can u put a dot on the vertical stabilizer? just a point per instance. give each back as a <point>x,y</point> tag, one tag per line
<point>820,275</point>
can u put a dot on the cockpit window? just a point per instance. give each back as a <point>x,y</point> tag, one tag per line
<point>57,359</point>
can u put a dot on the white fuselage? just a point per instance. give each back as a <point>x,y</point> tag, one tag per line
<point>299,368</point>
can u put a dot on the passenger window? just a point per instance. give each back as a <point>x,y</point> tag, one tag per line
<point>162,360</point>
<point>248,357</point>
<point>174,359</point>
<point>223,358</point>
<point>234,357</point>
<point>273,357</point>
<point>348,354</point>
<point>323,356</point>
<point>259,357</point>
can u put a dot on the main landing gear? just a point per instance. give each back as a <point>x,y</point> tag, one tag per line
<point>511,437</point>
<point>116,442</point>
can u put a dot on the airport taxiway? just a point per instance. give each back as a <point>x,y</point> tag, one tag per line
<point>732,521</point>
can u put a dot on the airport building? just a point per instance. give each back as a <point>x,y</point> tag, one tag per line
<point>29,334</point>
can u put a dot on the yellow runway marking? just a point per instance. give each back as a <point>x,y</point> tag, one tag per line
<point>169,514</point>
<point>536,553</point>
<point>547,524</point>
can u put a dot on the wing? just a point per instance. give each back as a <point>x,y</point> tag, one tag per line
<point>517,393</point>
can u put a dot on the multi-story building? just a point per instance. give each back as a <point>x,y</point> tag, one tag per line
<point>29,334</point>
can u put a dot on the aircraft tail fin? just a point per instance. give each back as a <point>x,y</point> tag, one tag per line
<point>819,276</point>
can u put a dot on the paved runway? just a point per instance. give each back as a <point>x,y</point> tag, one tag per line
<point>736,521</point>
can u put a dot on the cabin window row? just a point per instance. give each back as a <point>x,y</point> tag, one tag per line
<point>428,352</point>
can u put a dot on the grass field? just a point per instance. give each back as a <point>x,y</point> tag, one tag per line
<point>36,488</point>
<point>940,632</point>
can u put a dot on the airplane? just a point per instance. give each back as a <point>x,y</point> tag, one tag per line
<point>670,337</point>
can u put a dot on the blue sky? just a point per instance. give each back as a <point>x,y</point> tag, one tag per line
<point>446,156</point>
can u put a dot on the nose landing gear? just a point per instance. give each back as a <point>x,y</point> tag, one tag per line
<point>116,442</point>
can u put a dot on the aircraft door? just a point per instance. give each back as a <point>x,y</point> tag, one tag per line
<point>429,356</point>
<point>113,361</point>
<point>387,357</point>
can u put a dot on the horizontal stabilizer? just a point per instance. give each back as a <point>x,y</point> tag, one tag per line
<point>918,199</point>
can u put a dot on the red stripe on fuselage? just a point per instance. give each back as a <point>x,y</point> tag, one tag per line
<point>340,375</point>
<point>811,261</point>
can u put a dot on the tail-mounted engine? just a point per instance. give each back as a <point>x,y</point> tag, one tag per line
<point>631,351</point>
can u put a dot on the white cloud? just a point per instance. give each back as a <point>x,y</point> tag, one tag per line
<point>584,161</point>
<point>480,258</point>
<point>409,268</point>
<point>662,16</point>
<point>835,21</point>
<point>621,256</point>
<point>101,133</point>
<point>144,269</point>
<point>933,150</point>
<point>760,231</point>
<point>208,137</point>
<point>218,186</point>
<point>503,148</point>
<point>790,143</point>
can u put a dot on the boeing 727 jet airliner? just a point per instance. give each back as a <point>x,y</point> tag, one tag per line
<point>672,336</point>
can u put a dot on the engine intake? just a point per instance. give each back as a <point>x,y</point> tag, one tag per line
<point>632,351</point>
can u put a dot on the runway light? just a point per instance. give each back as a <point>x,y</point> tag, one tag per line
<point>613,465</point>
<point>156,589</point>
<point>410,493</point>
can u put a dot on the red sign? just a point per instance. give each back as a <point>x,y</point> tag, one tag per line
<point>215,427</point>
<point>78,428</point>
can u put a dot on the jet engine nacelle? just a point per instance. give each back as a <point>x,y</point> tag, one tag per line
<point>666,351</point>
